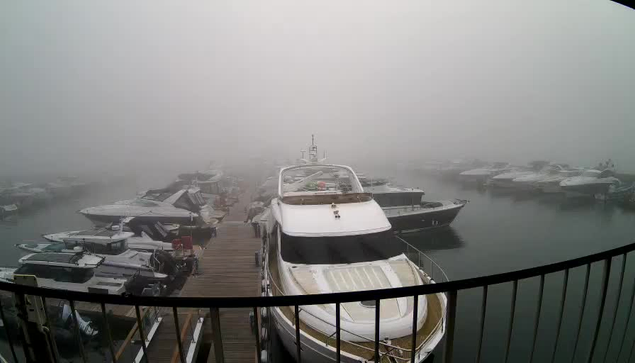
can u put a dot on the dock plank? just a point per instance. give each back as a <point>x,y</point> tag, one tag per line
<point>226,268</point>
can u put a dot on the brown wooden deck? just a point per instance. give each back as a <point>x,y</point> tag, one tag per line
<point>226,268</point>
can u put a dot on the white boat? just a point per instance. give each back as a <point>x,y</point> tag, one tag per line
<point>551,184</point>
<point>326,235</point>
<point>119,260</point>
<point>66,271</point>
<point>590,183</point>
<point>481,175</point>
<point>529,181</point>
<point>139,208</point>
<point>141,242</point>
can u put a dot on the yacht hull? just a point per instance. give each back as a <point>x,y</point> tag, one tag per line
<point>316,351</point>
<point>406,220</point>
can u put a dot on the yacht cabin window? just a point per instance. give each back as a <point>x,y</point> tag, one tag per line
<point>57,273</point>
<point>337,250</point>
<point>397,199</point>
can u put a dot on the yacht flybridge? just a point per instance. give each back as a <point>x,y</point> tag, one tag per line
<point>327,235</point>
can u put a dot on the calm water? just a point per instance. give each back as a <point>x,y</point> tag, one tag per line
<point>495,232</point>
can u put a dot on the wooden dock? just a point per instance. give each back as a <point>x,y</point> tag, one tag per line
<point>226,268</point>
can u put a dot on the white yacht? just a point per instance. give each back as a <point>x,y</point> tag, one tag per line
<point>590,183</point>
<point>140,242</point>
<point>66,271</point>
<point>551,184</point>
<point>324,234</point>
<point>119,260</point>
<point>506,179</point>
<point>144,209</point>
<point>481,175</point>
<point>529,181</point>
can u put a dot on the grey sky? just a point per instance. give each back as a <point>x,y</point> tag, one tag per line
<point>90,85</point>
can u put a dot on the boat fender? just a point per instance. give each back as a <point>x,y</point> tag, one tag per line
<point>263,313</point>
<point>263,335</point>
<point>257,258</point>
<point>264,356</point>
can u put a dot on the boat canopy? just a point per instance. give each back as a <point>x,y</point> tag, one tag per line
<point>330,219</point>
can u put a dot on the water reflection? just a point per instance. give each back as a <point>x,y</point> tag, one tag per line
<point>435,239</point>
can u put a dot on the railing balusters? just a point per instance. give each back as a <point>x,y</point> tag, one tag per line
<point>586,289</point>
<point>482,329</point>
<point>537,320</point>
<point>141,333</point>
<point>108,335</point>
<point>219,353</point>
<point>77,332</point>
<point>606,274</point>
<point>511,319</point>
<point>257,321</point>
<point>451,321</point>
<point>413,342</point>
<point>298,346</point>
<point>337,330</point>
<point>563,299</point>
<point>628,321</point>
<point>177,328</point>
<point>8,331</point>
<point>50,335</point>
<point>617,306</point>
<point>377,318</point>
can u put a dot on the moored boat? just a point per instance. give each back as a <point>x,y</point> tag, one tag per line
<point>325,234</point>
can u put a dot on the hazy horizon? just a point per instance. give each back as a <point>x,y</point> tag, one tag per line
<point>94,86</point>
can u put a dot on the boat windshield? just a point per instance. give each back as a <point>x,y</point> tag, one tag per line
<point>319,178</point>
<point>57,273</point>
<point>337,250</point>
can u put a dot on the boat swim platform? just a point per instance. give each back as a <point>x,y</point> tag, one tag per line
<point>226,268</point>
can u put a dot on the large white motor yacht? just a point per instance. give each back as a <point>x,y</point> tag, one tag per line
<point>324,234</point>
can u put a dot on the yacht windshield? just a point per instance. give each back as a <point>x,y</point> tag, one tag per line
<point>319,178</point>
<point>336,250</point>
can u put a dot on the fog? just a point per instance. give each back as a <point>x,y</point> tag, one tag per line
<point>90,86</point>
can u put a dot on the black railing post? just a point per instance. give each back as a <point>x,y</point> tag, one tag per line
<point>451,321</point>
<point>298,345</point>
<point>219,353</point>
<point>377,318</point>
<point>257,322</point>
<point>413,341</point>
<point>482,328</point>
<point>77,332</point>
<point>606,274</point>
<point>177,331</point>
<point>511,320</point>
<point>537,320</point>
<point>583,305</point>
<point>617,306</point>
<point>50,334</point>
<point>337,330</point>
<point>141,333</point>
<point>628,321</point>
<point>563,299</point>
<point>108,335</point>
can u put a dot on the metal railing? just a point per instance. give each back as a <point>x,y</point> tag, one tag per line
<point>450,288</point>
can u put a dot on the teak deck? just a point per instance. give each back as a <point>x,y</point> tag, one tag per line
<point>227,268</point>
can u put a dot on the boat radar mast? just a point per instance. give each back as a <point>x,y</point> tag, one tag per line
<point>313,154</point>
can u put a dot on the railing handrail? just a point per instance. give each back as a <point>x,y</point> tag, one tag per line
<point>332,298</point>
